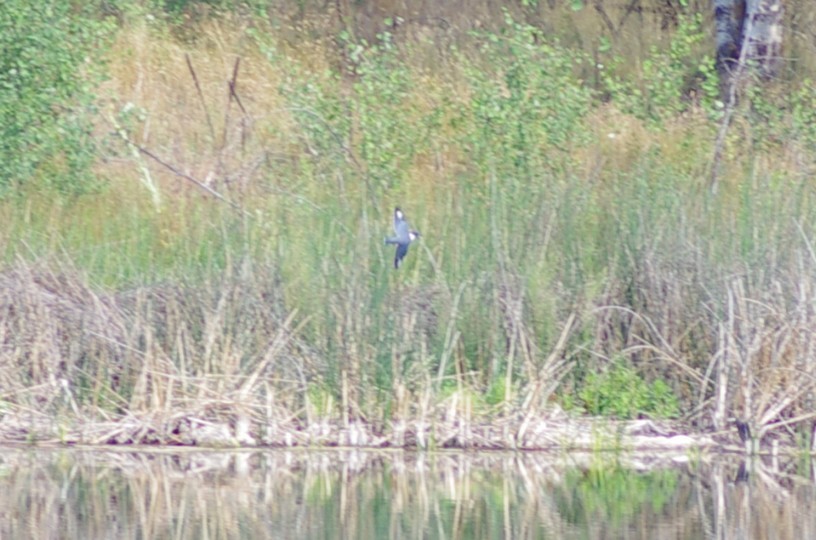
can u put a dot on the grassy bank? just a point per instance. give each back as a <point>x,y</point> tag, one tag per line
<point>572,252</point>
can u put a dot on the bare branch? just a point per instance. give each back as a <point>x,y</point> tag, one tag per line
<point>200,95</point>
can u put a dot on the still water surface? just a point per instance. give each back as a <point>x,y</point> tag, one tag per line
<point>149,493</point>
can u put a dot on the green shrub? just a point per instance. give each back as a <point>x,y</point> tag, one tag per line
<point>621,392</point>
<point>198,9</point>
<point>48,72</point>
<point>669,77</point>
<point>524,119</point>
<point>528,103</point>
<point>388,140</point>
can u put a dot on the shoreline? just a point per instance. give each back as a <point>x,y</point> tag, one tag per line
<point>540,434</point>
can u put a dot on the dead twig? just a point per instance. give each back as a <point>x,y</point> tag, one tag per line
<point>200,95</point>
<point>186,176</point>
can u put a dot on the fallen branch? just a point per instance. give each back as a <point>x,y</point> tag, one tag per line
<point>186,176</point>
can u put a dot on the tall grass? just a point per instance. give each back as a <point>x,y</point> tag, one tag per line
<point>561,236</point>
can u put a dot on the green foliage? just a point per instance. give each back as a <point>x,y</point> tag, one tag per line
<point>621,392</point>
<point>196,8</point>
<point>323,119</point>
<point>388,140</point>
<point>321,400</point>
<point>49,67</point>
<point>496,392</point>
<point>777,112</point>
<point>522,122</point>
<point>803,113</point>
<point>528,103</point>
<point>670,79</point>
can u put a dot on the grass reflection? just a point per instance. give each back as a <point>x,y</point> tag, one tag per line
<point>358,494</point>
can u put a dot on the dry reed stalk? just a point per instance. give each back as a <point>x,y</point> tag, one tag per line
<point>767,361</point>
<point>550,374</point>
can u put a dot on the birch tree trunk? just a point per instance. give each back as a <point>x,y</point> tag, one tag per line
<point>762,37</point>
<point>765,42</point>
<point>752,40</point>
<point>728,21</point>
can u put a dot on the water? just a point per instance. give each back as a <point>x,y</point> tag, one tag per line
<point>149,493</point>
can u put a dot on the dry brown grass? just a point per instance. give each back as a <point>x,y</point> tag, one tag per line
<point>158,355</point>
<point>221,363</point>
<point>185,113</point>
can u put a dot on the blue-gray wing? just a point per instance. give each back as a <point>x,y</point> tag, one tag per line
<point>402,250</point>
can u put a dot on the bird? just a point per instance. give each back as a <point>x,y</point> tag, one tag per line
<point>403,236</point>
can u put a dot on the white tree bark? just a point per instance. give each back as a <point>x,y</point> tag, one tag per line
<point>762,37</point>
<point>765,42</point>
<point>759,46</point>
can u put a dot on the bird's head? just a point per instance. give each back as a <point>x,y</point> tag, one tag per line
<point>413,235</point>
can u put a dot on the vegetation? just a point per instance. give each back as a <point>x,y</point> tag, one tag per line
<point>622,393</point>
<point>214,251</point>
<point>46,94</point>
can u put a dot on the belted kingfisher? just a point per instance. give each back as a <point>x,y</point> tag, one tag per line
<point>403,236</point>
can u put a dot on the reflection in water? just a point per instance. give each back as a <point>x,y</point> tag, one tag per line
<point>302,494</point>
